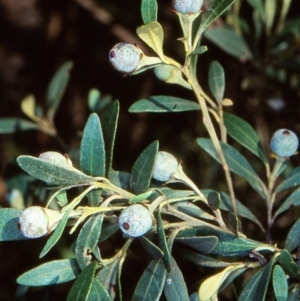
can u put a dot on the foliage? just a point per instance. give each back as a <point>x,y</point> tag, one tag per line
<point>187,225</point>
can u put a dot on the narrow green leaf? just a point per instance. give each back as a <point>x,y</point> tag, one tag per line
<point>216,81</point>
<point>51,173</point>
<point>108,230</point>
<point>235,161</point>
<point>228,245</point>
<point>94,197</point>
<point>49,273</point>
<point>270,12</point>
<point>153,35</point>
<point>243,133</point>
<point>143,168</point>
<point>233,275</point>
<point>141,197</point>
<point>204,260</point>
<point>287,263</point>
<point>98,292</point>
<point>175,288</point>
<point>215,10</point>
<point>87,239</point>
<point>280,284</point>
<point>109,127</point>
<point>55,236</point>
<point>107,276</point>
<point>151,283</point>
<point>292,180</point>
<point>211,285</point>
<point>82,286</point>
<point>15,125</point>
<point>9,219</point>
<point>202,244</point>
<point>229,41</point>
<point>149,11</point>
<point>62,198</point>
<point>256,287</point>
<point>293,238</point>
<point>162,242</point>
<point>259,7</point>
<point>292,200</point>
<point>154,251</point>
<point>214,200</point>
<point>199,50</point>
<point>120,178</point>
<point>57,87</point>
<point>192,210</point>
<point>243,211</point>
<point>92,150</point>
<point>163,104</point>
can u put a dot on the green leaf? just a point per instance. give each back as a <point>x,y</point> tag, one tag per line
<point>175,288</point>
<point>49,273</point>
<point>163,104</point>
<point>287,263</point>
<point>92,151</point>
<point>51,173</point>
<point>141,197</point>
<point>154,251</point>
<point>153,35</point>
<point>57,87</point>
<point>82,286</point>
<point>202,244</point>
<point>55,236</point>
<point>214,200</point>
<point>98,292</point>
<point>109,127</point>
<point>142,169</point>
<point>192,210</point>
<point>292,180</point>
<point>228,245</point>
<point>107,276</point>
<point>162,242</point>
<point>15,125</point>
<point>235,161</point>
<point>216,81</point>
<point>229,41</point>
<point>87,239</point>
<point>243,133</point>
<point>94,197</point>
<point>210,286</point>
<point>62,199</point>
<point>9,219</point>
<point>120,178</point>
<point>216,9</point>
<point>292,200</point>
<point>151,283</point>
<point>108,230</point>
<point>258,6</point>
<point>280,284</point>
<point>204,260</point>
<point>233,223</point>
<point>233,275</point>
<point>256,287</point>
<point>270,12</point>
<point>199,50</point>
<point>149,11</point>
<point>293,239</point>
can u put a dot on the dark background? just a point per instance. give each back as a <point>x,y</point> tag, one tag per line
<point>36,37</point>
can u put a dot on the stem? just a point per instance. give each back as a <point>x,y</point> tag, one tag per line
<point>271,196</point>
<point>212,133</point>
